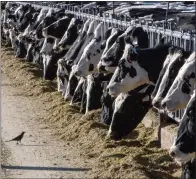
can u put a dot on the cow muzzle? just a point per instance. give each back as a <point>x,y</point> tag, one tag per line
<point>101,68</point>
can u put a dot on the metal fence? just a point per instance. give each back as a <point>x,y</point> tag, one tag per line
<point>155,30</point>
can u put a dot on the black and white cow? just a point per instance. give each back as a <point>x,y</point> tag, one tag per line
<point>110,59</point>
<point>50,61</point>
<point>58,28</point>
<point>178,58</point>
<point>129,110</point>
<point>70,35</point>
<point>164,68</point>
<point>65,64</point>
<point>91,54</point>
<point>74,57</point>
<point>184,147</point>
<point>135,68</point>
<point>182,87</point>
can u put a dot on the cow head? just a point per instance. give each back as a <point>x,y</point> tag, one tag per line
<point>135,67</point>
<point>91,55</point>
<point>110,59</point>
<point>44,23</point>
<point>184,148</point>
<point>182,87</point>
<point>56,29</point>
<point>70,35</point>
<point>129,110</point>
<point>129,74</point>
<point>109,42</point>
<point>177,60</point>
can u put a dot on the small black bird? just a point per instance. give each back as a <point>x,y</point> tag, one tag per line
<point>18,138</point>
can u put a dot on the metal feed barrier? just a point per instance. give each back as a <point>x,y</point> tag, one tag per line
<point>155,29</point>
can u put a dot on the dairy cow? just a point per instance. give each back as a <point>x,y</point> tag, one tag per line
<point>135,68</point>
<point>74,58</point>
<point>184,148</point>
<point>137,36</point>
<point>178,58</point>
<point>129,110</point>
<point>66,63</point>
<point>182,87</point>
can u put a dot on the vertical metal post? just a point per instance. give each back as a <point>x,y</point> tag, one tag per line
<point>112,8</point>
<point>166,15</point>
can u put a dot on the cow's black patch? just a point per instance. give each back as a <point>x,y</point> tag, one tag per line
<point>91,67</point>
<point>132,72</point>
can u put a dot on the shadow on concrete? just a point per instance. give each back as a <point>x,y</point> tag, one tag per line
<point>45,168</point>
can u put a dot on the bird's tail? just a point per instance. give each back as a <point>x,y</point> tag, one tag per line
<point>9,140</point>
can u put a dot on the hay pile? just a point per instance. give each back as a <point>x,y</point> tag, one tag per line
<point>136,157</point>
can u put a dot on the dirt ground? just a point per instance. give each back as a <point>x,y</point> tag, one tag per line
<point>60,142</point>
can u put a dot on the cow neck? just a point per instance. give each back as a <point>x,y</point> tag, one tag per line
<point>149,58</point>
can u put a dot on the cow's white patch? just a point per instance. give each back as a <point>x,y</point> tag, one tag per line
<point>113,33</point>
<point>41,15</point>
<point>27,30</point>
<point>87,41</point>
<point>56,42</point>
<point>146,98</point>
<point>175,98</point>
<point>46,47</point>
<point>88,88</point>
<point>13,38</point>
<point>61,72</point>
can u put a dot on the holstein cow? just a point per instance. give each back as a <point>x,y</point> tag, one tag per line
<point>164,68</point>
<point>182,87</point>
<point>135,68</point>
<point>75,57</point>
<point>94,85</point>
<point>184,146</point>
<point>50,66</point>
<point>70,35</point>
<point>129,110</point>
<point>111,40</point>
<point>178,58</point>
<point>94,88</point>
<point>64,67</point>
<point>110,59</point>
<point>91,54</point>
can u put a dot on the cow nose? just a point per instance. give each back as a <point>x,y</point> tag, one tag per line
<point>172,154</point>
<point>156,104</point>
<point>101,68</point>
